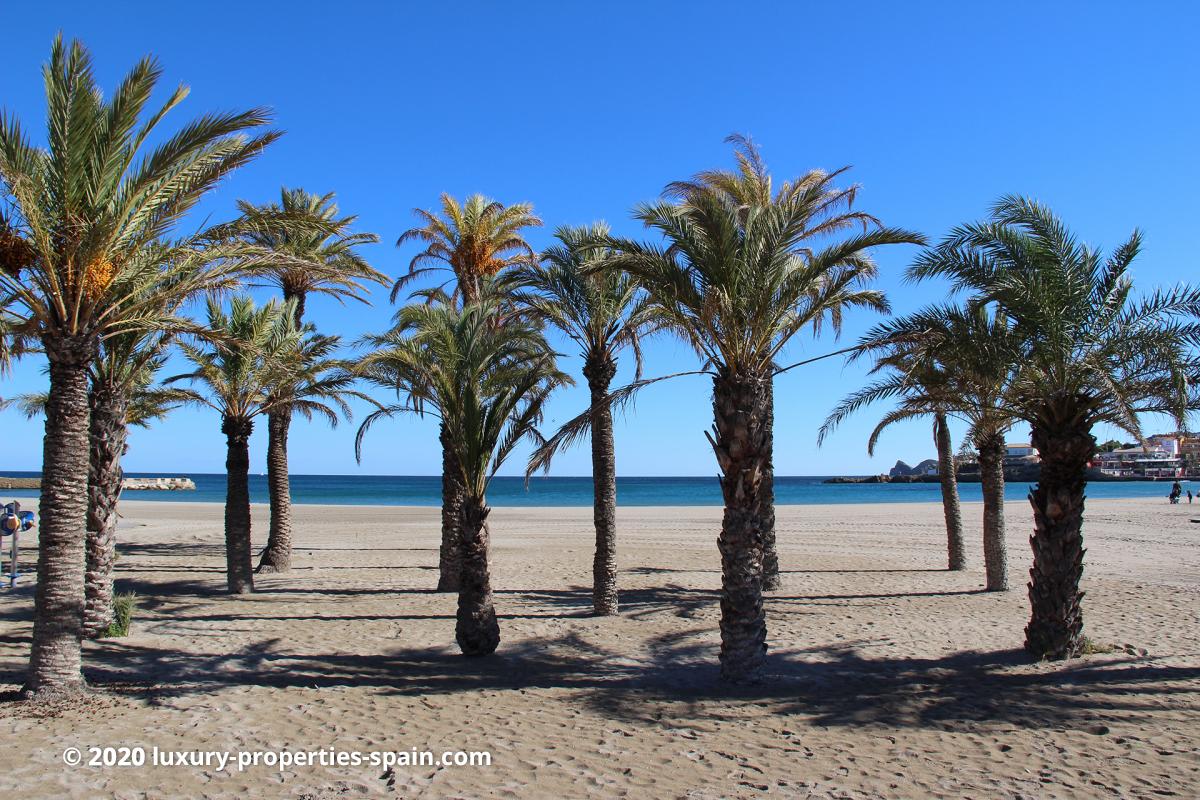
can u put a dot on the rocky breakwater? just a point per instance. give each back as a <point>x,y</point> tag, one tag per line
<point>159,484</point>
<point>134,484</point>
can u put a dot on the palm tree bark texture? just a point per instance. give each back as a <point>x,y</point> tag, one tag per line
<point>991,473</point>
<point>1064,440</point>
<point>277,556</point>
<point>239,569</point>
<point>771,579</point>
<point>55,663</point>
<point>107,440</point>
<point>450,556</point>
<point>948,477</point>
<point>741,445</point>
<point>599,371</point>
<point>476,631</point>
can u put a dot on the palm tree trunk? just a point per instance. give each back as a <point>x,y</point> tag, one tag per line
<point>55,661</point>
<point>108,434</point>
<point>991,474</point>
<point>771,579</point>
<point>948,476</point>
<point>450,558</point>
<point>477,631</point>
<point>599,371</point>
<point>1065,443</point>
<point>277,556</point>
<point>238,556</point>
<point>741,446</point>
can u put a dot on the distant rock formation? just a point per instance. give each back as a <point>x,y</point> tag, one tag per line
<point>927,467</point>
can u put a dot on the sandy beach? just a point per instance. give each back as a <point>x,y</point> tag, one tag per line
<point>887,675</point>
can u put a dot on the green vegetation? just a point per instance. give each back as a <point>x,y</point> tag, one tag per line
<point>123,606</point>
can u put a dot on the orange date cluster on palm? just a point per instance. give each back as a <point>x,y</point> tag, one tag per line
<point>96,278</point>
<point>15,253</point>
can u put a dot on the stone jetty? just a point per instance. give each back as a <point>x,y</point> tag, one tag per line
<point>135,484</point>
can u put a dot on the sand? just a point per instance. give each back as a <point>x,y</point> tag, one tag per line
<point>888,676</point>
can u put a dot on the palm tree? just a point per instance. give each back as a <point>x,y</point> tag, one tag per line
<point>956,549</point>
<point>85,210</point>
<point>474,240</point>
<point>238,375</point>
<point>922,385</point>
<point>312,382</point>
<point>487,376</point>
<point>1089,353</point>
<point>309,249</point>
<point>600,312</point>
<point>737,284</point>
<point>941,361</point>
<point>122,394</point>
<point>830,210</point>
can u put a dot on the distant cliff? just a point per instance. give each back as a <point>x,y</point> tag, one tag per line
<point>902,470</point>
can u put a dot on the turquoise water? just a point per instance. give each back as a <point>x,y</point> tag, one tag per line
<point>408,490</point>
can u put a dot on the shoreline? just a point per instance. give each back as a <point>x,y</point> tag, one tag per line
<point>134,505</point>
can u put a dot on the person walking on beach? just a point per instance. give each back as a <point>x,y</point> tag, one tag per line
<point>1176,491</point>
<point>1189,497</point>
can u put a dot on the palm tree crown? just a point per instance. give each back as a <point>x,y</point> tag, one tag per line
<point>738,283</point>
<point>957,360</point>
<point>487,382</point>
<point>239,373</point>
<point>1088,347</point>
<point>309,248</point>
<point>312,381</point>
<point>474,240</point>
<point>91,214</point>
<point>599,310</point>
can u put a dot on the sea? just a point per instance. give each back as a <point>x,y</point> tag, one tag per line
<point>425,490</point>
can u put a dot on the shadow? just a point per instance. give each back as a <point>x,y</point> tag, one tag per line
<point>163,568</point>
<point>390,567</point>
<point>922,571</point>
<point>886,596</point>
<point>680,601</point>
<point>832,685</point>
<point>171,549</point>
<point>337,592</point>
<point>314,617</point>
<point>715,569</point>
<point>365,549</point>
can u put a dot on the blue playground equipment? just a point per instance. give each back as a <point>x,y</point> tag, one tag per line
<point>12,521</point>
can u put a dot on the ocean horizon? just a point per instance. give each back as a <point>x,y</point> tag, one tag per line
<point>425,490</point>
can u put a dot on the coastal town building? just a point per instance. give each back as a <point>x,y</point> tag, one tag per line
<point>1160,457</point>
<point>1189,451</point>
<point>1019,450</point>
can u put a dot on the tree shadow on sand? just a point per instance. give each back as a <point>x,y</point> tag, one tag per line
<point>674,676</point>
<point>643,680</point>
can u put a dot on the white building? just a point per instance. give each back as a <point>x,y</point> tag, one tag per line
<point>1020,450</point>
<point>1160,458</point>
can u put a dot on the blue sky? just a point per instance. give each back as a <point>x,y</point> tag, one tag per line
<point>586,109</point>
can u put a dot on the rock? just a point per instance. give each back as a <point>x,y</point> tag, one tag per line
<point>159,484</point>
